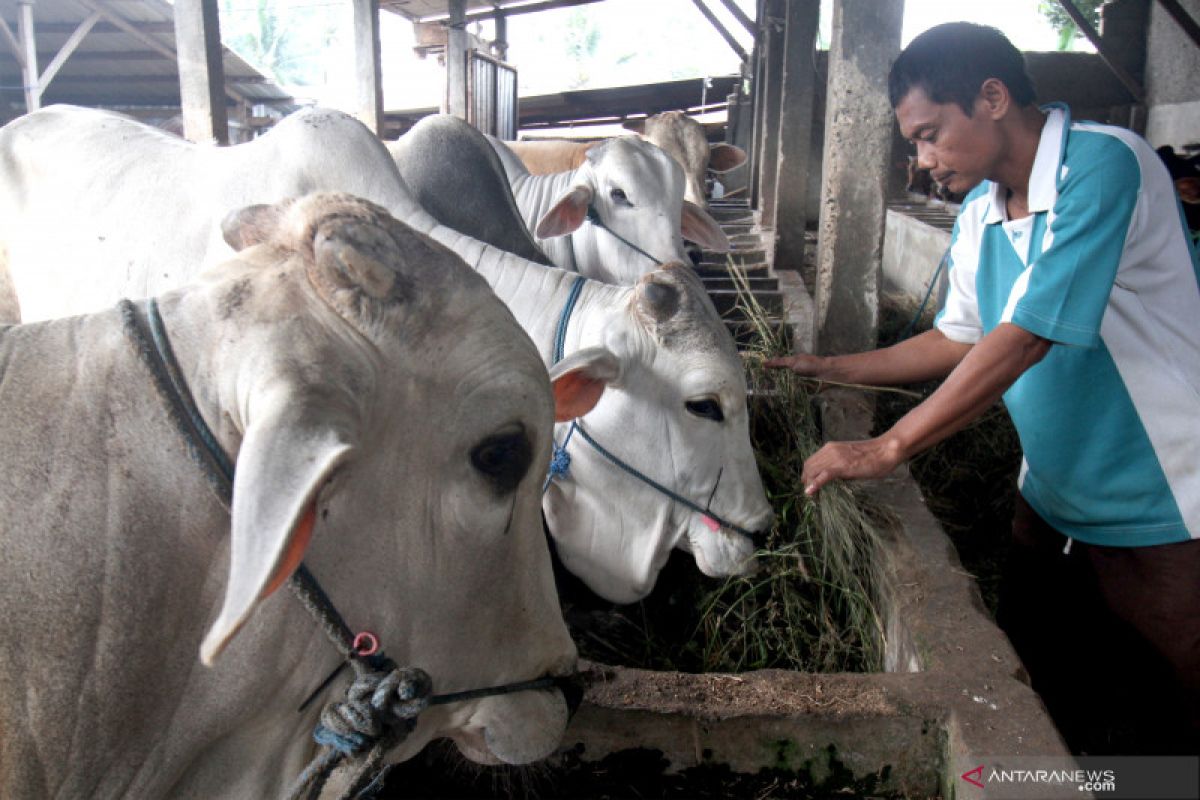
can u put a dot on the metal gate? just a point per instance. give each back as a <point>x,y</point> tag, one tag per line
<point>491,95</point>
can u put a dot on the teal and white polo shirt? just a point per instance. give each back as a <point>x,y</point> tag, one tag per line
<point>1109,420</point>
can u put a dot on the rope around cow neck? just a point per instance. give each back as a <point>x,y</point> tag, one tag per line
<point>383,701</point>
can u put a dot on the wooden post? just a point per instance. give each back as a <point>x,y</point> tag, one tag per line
<point>368,84</point>
<point>774,24</point>
<point>201,71</point>
<point>795,133</point>
<point>501,36</point>
<point>456,60</point>
<point>756,105</point>
<point>29,69</point>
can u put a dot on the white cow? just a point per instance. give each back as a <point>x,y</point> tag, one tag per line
<point>663,329</point>
<point>375,395</point>
<point>71,179</point>
<point>615,218</point>
<point>674,132</point>
<point>683,138</point>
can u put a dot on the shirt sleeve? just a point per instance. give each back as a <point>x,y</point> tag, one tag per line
<point>1065,291</point>
<point>959,318</point>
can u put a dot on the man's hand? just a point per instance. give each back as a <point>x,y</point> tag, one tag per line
<point>801,364</point>
<point>871,458</point>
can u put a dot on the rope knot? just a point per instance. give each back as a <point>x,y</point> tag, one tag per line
<point>560,462</point>
<point>379,701</point>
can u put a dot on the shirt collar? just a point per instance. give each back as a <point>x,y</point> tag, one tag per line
<point>1043,178</point>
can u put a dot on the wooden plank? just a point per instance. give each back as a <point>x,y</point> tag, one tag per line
<point>510,10</point>
<point>368,82</point>
<point>29,70</point>
<point>147,28</point>
<point>13,44</point>
<point>66,50</point>
<point>142,33</point>
<point>741,17</point>
<point>456,60</point>
<point>201,71</point>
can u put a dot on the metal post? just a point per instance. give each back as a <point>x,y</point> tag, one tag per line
<point>456,60</point>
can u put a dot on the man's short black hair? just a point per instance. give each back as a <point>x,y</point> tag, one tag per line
<point>951,61</point>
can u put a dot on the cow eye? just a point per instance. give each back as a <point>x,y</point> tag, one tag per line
<point>618,197</point>
<point>706,408</point>
<point>503,459</point>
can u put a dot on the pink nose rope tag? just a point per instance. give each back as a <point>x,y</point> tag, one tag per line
<point>712,524</point>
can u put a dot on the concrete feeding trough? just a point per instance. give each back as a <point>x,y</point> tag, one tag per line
<point>953,692</point>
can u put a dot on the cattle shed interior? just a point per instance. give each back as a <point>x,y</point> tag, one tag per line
<point>823,219</point>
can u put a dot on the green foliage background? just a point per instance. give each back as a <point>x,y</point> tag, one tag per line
<point>1068,31</point>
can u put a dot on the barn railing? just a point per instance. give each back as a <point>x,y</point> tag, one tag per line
<point>491,95</point>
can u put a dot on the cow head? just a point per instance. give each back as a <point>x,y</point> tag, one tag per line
<point>683,139</point>
<point>675,410</point>
<point>393,425</point>
<point>636,191</point>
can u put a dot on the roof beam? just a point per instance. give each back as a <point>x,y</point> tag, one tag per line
<point>112,15</point>
<point>13,44</point>
<point>721,29</point>
<point>80,80</point>
<point>66,50</point>
<point>512,11</point>
<point>56,28</point>
<point>741,17</point>
<point>1128,81</point>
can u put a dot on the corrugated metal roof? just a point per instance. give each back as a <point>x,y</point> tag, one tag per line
<point>124,62</point>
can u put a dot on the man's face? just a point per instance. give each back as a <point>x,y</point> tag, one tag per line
<point>959,151</point>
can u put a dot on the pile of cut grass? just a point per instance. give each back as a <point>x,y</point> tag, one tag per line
<point>813,605</point>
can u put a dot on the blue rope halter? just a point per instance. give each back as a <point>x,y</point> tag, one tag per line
<point>593,217</point>
<point>560,461</point>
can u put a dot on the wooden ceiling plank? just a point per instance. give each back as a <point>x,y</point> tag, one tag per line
<point>114,16</point>
<point>67,49</point>
<point>13,44</point>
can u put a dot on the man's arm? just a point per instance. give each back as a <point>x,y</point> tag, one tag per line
<point>924,357</point>
<point>983,375</point>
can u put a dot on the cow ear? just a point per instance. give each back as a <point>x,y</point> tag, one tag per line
<point>566,215</point>
<point>724,157</point>
<point>285,459</point>
<point>635,125</point>
<point>698,226</point>
<point>579,380</point>
<point>250,225</point>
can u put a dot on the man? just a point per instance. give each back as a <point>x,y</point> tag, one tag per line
<point>1075,296</point>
